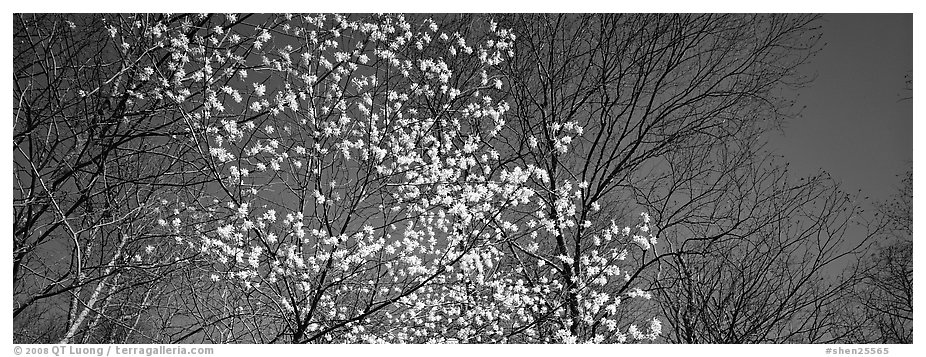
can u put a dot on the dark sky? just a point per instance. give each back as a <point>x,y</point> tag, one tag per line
<point>855,127</point>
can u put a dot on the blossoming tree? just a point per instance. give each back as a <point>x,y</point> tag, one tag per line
<point>364,192</point>
<point>381,178</point>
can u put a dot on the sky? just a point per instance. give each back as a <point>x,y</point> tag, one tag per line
<point>854,125</point>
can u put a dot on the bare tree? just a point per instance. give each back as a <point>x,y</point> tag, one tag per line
<point>673,109</point>
<point>773,274</point>
<point>880,308</point>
